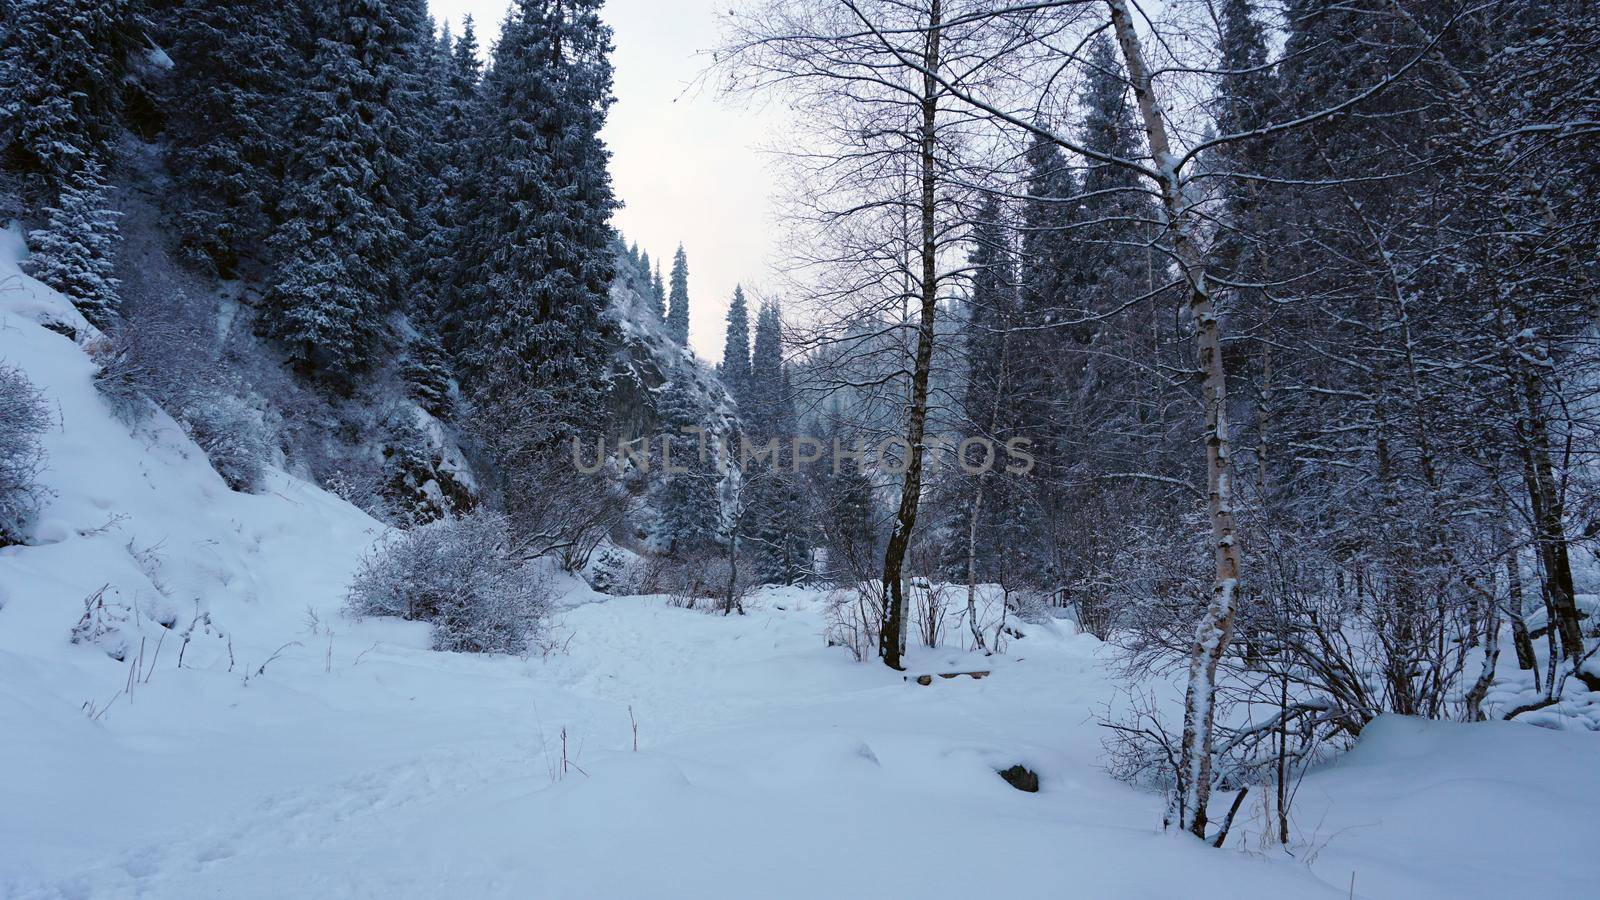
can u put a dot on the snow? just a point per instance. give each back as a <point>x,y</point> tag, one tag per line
<point>358,763</point>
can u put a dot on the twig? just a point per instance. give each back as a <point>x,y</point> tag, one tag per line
<point>1227,821</point>
<point>155,656</point>
<point>364,653</point>
<point>262,669</point>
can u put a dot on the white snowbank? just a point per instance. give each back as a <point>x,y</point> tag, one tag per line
<point>357,763</point>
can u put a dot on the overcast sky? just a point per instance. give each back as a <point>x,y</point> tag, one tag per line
<point>687,166</point>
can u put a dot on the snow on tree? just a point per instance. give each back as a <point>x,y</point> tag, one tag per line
<point>62,70</point>
<point>534,244</point>
<point>229,111</point>
<point>658,293</point>
<point>736,348</point>
<point>75,252</point>
<point>688,498</point>
<point>338,249</point>
<point>678,299</point>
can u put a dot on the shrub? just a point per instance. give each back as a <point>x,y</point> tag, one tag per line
<point>121,376</point>
<point>234,437</point>
<point>462,576</point>
<point>23,418</point>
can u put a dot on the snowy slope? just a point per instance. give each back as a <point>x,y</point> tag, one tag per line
<point>300,754</point>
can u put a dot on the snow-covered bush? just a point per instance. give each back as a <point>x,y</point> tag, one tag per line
<point>616,570</point>
<point>234,437</point>
<point>854,614</point>
<point>122,376</point>
<point>23,417</point>
<point>462,576</point>
<point>103,625</point>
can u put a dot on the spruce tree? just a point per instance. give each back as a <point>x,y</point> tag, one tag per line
<point>688,500</point>
<point>774,499</point>
<point>769,412</point>
<point>1050,285</point>
<point>736,349</point>
<point>534,243</point>
<point>678,300</point>
<point>996,405</point>
<point>458,119</point>
<point>75,252</point>
<point>658,290</point>
<point>339,246</point>
<point>237,71</point>
<point>848,514</point>
<point>62,70</point>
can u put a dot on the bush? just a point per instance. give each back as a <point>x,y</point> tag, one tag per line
<point>235,439</point>
<point>159,358</point>
<point>122,376</point>
<point>460,575</point>
<point>23,417</point>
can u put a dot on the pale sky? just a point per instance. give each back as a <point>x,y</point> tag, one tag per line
<point>687,165</point>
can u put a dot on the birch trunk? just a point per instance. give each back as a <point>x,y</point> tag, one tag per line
<point>972,568</point>
<point>1215,628</point>
<point>891,635</point>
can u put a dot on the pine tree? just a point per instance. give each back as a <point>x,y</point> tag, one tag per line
<point>229,111</point>
<point>338,249</point>
<point>736,349</point>
<point>62,69</point>
<point>658,290</point>
<point>770,412</point>
<point>848,514</point>
<point>994,405</point>
<point>688,500</point>
<point>76,250</point>
<point>534,244</point>
<point>1050,287</point>
<point>678,308</point>
<point>457,122</point>
<point>774,497</point>
<point>777,530</point>
<point>428,373</point>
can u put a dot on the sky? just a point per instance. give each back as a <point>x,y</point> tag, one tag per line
<point>687,163</point>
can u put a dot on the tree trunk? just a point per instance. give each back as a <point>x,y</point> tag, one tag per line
<point>1544,498</point>
<point>1519,626</point>
<point>1215,628</point>
<point>891,636</point>
<point>972,568</point>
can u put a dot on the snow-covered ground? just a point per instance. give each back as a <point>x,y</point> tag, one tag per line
<point>297,753</point>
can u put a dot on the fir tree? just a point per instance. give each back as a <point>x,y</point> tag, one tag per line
<point>238,65</point>
<point>769,412</point>
<point>736,349</point>
<point>62,70</point>
<point>1050,287</point>
<point>687,500</point>
<point>658,290</point>
<point>75,252</point>
<point>848,514</point>
<point>535,240</point>
<point>993,406</point>
<point>457,121</point>
<point>428,373</point>
<point>678,300</point>
<point>774,503</point>
<point>777,520</point>
<point>339,246</point>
